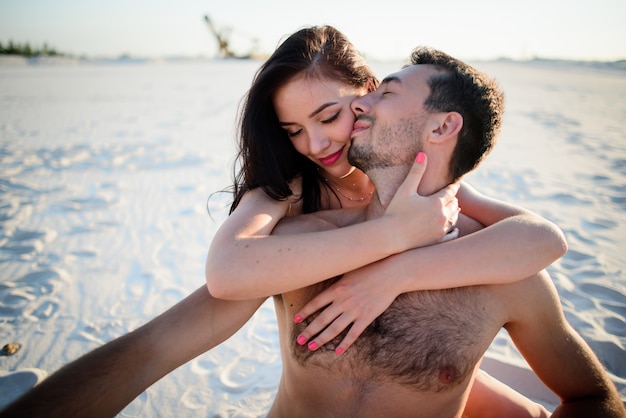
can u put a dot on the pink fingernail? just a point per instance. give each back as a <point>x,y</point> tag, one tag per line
<point>312,345</point>
<point>297,319</point>
<point>420,157</point>
<point>339,350</point>
<point>301,340</point>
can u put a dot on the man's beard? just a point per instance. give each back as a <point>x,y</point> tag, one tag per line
<point>387,146</point>
<point>363,157</point>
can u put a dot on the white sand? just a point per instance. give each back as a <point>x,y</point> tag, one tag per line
<point>105,172</point>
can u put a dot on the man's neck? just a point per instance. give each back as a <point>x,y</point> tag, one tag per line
<point>387,181</point>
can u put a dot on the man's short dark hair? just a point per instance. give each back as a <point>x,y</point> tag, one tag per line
<point>462,88</point>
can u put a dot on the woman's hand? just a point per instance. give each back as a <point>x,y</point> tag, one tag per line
<point>354,301</point>
<point>422,220</point>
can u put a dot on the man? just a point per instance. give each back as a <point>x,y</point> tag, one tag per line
<point>420,356</point>
<point>451,329</point>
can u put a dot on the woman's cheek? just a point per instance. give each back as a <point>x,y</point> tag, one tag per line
<point>300,146</point>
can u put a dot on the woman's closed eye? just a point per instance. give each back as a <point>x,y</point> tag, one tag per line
<point>332,118</point>
<point>294,133</point>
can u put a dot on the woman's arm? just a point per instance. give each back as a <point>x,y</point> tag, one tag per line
<point>246,261</point>
<point>490,398</point>
<point>516,244</point>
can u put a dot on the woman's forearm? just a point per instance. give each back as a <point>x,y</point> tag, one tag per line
<point>251,256</point>
<point>294,257</point>
<point>505,252</point>
<point>515,244</point>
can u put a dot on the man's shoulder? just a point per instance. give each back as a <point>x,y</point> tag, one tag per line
<point>342,217</point>
<point>467,225</point>
<point>320,221</point>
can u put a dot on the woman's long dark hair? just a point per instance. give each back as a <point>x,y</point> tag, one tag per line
<point>266,156</point>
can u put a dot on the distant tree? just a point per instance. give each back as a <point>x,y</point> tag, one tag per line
<point>15,48</point>
<point>26,50</point>
<point>11,49</point>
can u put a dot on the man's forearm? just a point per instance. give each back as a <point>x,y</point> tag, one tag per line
<point>101,383</point>
<point>104,381</point>
<point>607,407</point>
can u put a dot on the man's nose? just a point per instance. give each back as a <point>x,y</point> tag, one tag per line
<point>359,105</point>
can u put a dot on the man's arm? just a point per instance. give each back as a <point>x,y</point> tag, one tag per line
<point>555,351</point>
<point>104,381</point>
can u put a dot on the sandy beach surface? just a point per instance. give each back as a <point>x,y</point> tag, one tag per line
<point>105,174</point>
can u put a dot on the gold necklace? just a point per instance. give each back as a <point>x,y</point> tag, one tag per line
<point>338,190</point>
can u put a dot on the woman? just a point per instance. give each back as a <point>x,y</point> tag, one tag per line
<point>295,131</point>
<point>279,179</point>
<point>294,134</point>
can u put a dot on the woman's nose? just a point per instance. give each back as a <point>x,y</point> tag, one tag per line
<point>318,143</point>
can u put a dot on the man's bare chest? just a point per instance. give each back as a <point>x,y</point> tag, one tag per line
<point>429,340</point>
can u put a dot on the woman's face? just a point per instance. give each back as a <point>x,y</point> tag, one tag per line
<point>317,117</point>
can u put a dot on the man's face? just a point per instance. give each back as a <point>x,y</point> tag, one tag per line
<point>391,121</point>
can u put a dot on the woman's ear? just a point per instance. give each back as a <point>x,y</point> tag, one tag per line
<point>448,126</point>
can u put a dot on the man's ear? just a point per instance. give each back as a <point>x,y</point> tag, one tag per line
<point>447,125</point>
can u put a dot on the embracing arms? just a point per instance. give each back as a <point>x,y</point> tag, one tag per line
<point>245,260</point>
<point>515,244</point>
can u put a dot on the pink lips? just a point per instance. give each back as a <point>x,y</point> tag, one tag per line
<point>332,158</point>
<point>359,126</point>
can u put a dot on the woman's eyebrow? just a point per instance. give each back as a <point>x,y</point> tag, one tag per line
<point>315,112</point>
<point>322,107</point>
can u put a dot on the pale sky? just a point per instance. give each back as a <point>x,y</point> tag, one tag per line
<point>386,30</point>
